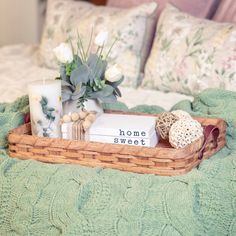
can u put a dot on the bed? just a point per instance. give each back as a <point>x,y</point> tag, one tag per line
<point>45,199</point>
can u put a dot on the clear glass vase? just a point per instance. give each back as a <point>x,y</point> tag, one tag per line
<point>89,105</point>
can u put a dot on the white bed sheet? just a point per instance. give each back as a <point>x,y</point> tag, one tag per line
<point>18,67</point>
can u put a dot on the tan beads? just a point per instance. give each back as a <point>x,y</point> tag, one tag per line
<point>66,119</point>
<point>185,131</point>
<point>86,124</point>
<point>74,116</point>
<point>82,114</point>
<point>182,114</point>
<point>91,117</point>
<point>86,118</point>
<point>164,123</point>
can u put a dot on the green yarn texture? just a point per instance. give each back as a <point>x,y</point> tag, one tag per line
<point>43,199</point>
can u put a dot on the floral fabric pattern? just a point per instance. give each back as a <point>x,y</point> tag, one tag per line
<point>66,18</point>
<point>191,54</point>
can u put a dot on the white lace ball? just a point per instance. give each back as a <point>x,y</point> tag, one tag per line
<point>183,132</point>
<point>182,114</point>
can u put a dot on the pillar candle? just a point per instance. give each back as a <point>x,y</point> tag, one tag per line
<point>45,108</point>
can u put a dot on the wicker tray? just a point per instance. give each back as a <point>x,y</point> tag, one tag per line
<point>161,160</point>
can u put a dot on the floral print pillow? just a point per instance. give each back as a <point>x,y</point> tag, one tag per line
<point>134,29</point>
<point>191,54</point>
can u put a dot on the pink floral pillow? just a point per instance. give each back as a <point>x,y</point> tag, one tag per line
<point>198,8</point>
<point>226,11</point>
<point>190,54</point>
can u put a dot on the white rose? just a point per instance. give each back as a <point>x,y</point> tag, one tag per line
<point>113,74</point>
<point>63,53</point>
<point>101,38</point>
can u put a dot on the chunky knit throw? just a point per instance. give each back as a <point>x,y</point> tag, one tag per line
<point>45,199</point>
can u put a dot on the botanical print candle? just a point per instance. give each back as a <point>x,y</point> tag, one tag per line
<point>45,108</point>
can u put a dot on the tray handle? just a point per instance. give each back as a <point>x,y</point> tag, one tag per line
<point>209,131</point>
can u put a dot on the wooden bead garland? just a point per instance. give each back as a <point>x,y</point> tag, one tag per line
<point>81,123</point>
<point>185,131</point>
<point>164,123</point>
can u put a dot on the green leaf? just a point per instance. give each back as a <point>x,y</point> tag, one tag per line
<point>78,93</point>
<point>108,99</point>
<point>98,84</point>
<point>77,61</point>
<point>97,66</point>
<point>51,109</point>
<point>117,83</point>
<point>66,84</point>
<point>107,91</point>
<point>117,92</point>
<point>63,75</point>
<point>66,94</point>
<point>80,75</point>
<point>44,101</point>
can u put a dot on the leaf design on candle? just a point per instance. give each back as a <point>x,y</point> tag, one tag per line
<point>48,112</point>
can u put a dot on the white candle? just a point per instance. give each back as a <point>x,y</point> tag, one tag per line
<point>45,108</point>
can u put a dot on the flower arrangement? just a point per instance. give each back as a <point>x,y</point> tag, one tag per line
<point>85,75</point>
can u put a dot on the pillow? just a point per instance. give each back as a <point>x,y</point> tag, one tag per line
<point>199,8</point>
<point>133,27</point>
<point>226,11</point>
<point>191,54</point>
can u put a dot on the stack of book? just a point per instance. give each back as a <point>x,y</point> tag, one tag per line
<point>124,129</point>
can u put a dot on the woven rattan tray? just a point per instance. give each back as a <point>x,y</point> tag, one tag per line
<point>161,160</point>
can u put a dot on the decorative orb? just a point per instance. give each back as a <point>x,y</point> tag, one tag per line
<point>184,132</point>
<point>164,123</point>
<point>182,114</point>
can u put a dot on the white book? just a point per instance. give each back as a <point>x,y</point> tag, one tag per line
<point>143,142</point>
<point>133,126</point>
<point>66,130</point>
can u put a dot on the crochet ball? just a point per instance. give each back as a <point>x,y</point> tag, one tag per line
<point>184,132</point>
<point>182,114</point>
<point>164,123</point>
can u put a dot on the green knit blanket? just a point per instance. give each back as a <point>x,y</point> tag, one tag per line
<point>43,199</point>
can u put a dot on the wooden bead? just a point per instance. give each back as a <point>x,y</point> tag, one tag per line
<point>75,116</point>
<point>91,117</point>
<point>86,125</point>
<point>82,114</point>
<point>66,119</point>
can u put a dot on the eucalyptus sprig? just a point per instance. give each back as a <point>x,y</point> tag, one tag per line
<point>84,74</point>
